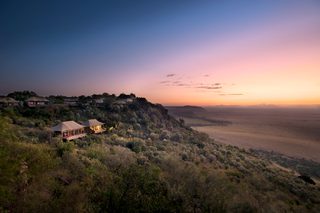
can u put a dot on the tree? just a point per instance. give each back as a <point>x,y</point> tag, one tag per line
<point>22,95</point>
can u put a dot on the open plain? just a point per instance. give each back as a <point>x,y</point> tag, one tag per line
<point>293,131</point>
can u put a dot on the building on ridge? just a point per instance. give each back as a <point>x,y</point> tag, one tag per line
<point>94,126</point>
<point>69,130</point>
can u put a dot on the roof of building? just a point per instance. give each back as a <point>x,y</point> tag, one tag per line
<point>71,99</point>
<point>92,122</point>
<point>37,99</point>
<point>7,100</point>
<point>67,125</point>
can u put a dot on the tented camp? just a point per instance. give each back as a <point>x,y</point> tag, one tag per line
<point>7,102</point>
<point>37,101</point>
<point>94,126</point>
<point>69,130</point>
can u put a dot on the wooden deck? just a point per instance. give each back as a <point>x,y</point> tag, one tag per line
<point>72,137</point>
<point>98,131</point>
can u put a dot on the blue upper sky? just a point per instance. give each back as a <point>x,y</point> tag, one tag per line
<point>81,47</point>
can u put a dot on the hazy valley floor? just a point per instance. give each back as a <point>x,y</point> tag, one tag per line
<point>291,131</point>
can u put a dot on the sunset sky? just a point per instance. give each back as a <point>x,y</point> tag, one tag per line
<point>171,52</point>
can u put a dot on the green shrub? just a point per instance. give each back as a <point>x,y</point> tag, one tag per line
<point>64,147</point>
<point>136,146</point>
<point>7,132</point>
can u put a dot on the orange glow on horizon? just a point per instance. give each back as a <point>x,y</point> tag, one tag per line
<point>282,71</point>
<point>238,101</point>
<point>276,61</point>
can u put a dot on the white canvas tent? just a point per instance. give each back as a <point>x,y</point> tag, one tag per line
<point>69,130</point>
<point>92,122</point>
<point>7,101</point>
<point>94,125</point>
<point>37,101</point>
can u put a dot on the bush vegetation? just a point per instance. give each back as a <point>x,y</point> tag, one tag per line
<point>148,162</point>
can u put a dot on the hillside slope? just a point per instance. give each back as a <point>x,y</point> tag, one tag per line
<point>147,162</point>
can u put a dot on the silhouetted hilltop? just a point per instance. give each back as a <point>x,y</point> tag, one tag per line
<point>195,112</point>
<point>186,111</point>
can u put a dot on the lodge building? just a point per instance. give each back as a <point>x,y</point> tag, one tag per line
<point>37,102</point>
<point>94,126</point>
<point>8,102</point>
<point>69,130</point>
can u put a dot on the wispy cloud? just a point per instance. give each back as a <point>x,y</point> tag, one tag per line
<point>182,85</point>
<point>209,87</point>
<point>199,86</point>
<point>232,94</point>
<point>170,75</point>
<point>204,86</point>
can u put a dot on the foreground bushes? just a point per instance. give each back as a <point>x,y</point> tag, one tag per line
<point>147,163</point>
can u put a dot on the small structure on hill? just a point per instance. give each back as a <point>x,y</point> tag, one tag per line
<point>98,102</point>
<point>69,130</point>
<point>8,102</point>
<point>71,101</point>
<point>37,101</point>
<point>94,126</point>
<point>122,102</point>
